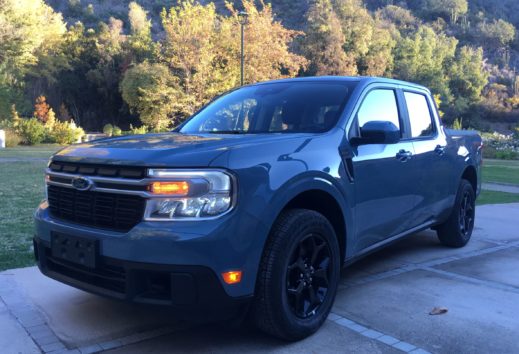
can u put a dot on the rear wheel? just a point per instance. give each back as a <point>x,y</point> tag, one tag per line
<point>298,276</point>
<point>457,230</point>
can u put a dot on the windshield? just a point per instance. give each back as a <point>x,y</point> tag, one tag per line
<point>282,107</point>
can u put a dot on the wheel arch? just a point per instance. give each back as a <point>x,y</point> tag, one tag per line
<point>324,203</point>
<point>470,174</point>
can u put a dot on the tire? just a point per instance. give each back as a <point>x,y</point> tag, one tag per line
<point>457,230</point>
<point>300,266</point>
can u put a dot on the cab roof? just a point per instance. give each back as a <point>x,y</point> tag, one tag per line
<point>363,80</point>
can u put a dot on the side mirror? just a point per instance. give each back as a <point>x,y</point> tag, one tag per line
<point>377,132</point>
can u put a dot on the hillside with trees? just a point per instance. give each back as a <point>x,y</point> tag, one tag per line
<point>153,63</point>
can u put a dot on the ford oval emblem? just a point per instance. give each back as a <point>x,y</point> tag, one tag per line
<point>81,183</point>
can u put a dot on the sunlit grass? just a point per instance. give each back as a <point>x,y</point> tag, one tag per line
<point>38,151</point>
<point>21,190</point>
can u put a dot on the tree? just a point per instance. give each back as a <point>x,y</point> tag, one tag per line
<point>467,76</point>
<point>378,61</point>
<point>368,43</point>
<point>152,91</point>
<point>423,58</point>
<point>324,41</point>
<point>30,37</point>
<point>500,32</point>
<point>106,73</point>
<point>41,109</point>
<point>77,93</point>
<point>467,79</point>
<point>402,18</point>
<point>455,8</point>
<point>357,26</point>
<point>202,49</point>
<point>268,55</point>
<point>98,58</point>
<point>449,9</point>
<point>63,113</point>
<point>140,43</point>
<point>192,50</point>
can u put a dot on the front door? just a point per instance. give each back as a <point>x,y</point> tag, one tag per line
<point>385,176</point>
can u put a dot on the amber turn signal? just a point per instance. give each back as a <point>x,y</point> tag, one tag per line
<point>173,188</point>
<point>232,277</point>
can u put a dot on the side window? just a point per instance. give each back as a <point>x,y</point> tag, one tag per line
<point>379,105</point>
<point>419,115</point>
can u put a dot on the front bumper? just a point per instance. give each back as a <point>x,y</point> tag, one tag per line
<point>178,264</point>
<point>191,290</point>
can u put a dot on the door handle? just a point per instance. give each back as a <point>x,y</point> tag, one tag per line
<point>404,155</point>
<point>440,150</point>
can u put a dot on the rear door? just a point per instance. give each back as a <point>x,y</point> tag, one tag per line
<point>385,175</point>
<point>429,144</point>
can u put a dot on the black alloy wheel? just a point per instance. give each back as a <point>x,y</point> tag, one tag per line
<point>308,275</point>
<point>456,231</point>
<point>466,217</point>
<point>298,276</point>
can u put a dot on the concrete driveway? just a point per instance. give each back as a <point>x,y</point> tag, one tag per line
<point>382,306</point>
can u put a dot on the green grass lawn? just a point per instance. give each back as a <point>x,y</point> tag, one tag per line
<point>492,197</point>
<point>501,171</point>
<point>21,189</point>
<point>38,151</point>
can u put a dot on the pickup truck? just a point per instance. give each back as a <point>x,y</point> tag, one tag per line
<point>251,207</point>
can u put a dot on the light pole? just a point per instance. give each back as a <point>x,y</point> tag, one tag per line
<point>242,15</point>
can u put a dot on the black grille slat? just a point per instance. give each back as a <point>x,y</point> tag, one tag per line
<point>103,210</point>
<point>127,172</point>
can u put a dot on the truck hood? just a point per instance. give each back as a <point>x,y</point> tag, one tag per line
<point>167,149</point>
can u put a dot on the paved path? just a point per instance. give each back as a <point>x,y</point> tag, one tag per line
<point>382,306</point>
<point>501,187</point>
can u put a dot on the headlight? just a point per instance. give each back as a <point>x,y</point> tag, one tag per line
<point>185,195</point>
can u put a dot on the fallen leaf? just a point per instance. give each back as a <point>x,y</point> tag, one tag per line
<point>438,311</point>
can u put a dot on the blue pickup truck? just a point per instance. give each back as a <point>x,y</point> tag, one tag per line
<point>254,204</point>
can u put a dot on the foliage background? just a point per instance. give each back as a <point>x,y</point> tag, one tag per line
<point>155,62</point>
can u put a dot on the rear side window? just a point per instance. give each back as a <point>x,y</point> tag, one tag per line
<point>419,115</point>
<point>379,105</point>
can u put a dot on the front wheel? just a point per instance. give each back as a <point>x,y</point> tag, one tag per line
<point>298,276</point>
<point>457,230</point>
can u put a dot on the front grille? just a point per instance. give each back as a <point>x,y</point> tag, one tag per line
<point>111,171</point>
<point>117,212</point>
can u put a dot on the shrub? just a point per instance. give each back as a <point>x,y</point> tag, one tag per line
<point>117,131</point>
<point>141,130</point>
<point>12,138</point>
<point>65,133</point>
<point>108,129</point>
<point>507,154</point>
<point>160,130</point>
<point>31,131</point>
<point>499,146</point>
